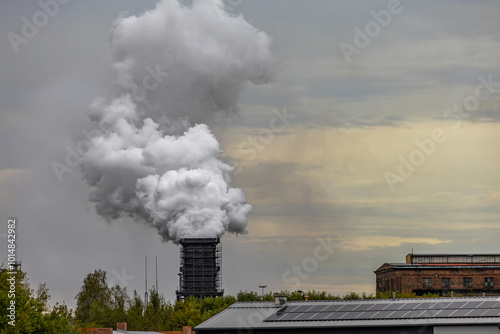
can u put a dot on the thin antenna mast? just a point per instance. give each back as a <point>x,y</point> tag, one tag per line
<point>156,260</point>
<point>146,283</point>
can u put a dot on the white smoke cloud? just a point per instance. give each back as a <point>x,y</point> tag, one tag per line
<point>154,159</point>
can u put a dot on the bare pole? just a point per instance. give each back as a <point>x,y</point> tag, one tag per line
<point>262,287</point>
<point>146,283</point>
<point>156,260</point>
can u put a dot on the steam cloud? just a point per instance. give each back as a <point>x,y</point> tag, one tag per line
<point>153,158</point>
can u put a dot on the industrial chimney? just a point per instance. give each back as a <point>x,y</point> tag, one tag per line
<point>200,268</point>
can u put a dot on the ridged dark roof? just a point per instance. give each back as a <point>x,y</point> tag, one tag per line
<point>358,313</point>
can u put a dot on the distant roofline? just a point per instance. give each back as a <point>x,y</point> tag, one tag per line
<point>454,254</point>
<point>485,265</point>
<point>199,240</point>
<point>240,304</point>
<point>458,264</point>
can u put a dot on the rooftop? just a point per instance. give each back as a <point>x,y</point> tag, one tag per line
<point>358,313</point>
<point>454,254</point>
<point>390,266</point>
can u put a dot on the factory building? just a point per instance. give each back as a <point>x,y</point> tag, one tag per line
<point>478,315</point>
<point>200,268</point>
<point>442,273</point>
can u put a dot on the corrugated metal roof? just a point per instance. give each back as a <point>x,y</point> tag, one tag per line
<point>238,318</point>
<point>454,311</point>
<point>252,304</point>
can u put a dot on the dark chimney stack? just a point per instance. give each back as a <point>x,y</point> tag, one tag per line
<point>200,268</point>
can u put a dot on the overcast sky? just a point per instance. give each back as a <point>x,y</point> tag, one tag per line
<point>390,143</point>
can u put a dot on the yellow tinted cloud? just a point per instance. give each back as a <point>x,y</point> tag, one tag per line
<point>370,242</point>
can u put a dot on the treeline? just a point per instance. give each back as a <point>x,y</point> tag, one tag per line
<point>99,305</point>
<point>24,310</point>
<point>323,295</point>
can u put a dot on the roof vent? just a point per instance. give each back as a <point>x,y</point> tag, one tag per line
<point>280,299</point>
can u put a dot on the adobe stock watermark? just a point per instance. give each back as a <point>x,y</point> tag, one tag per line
<point>250,147</point>
<point>426,147</point>
<point>256,316</point>
<point>482,92</point>
<point>12,271</point>
<point>120,278</point>
<point>300,272</point>
<point>363,37</point>
<point>30,28</point>
<point>74,154</point>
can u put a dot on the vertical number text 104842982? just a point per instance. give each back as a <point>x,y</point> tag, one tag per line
<point>12,266</point>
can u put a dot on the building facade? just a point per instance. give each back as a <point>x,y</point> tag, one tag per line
<point>443,274</point>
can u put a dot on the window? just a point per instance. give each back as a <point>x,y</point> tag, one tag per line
<point>446,283</point>
<point>426,283</point>
<point>488,282</point>
<point>467,282</point>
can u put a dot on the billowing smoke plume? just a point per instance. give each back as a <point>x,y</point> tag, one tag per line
<point>153,158</point>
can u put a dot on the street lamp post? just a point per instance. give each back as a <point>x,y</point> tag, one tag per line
<point>262,287</point>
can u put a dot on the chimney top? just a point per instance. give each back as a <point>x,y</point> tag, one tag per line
<point>280,299</point>
<point>121,326</point>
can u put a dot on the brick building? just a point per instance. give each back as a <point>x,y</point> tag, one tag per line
<point>442,273</point>
<point>121,328</point>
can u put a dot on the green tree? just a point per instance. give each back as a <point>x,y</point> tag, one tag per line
<point>119,297</point>
<point>101,306</point>
<point>352,296</point>
<point>388,294</point>
<point>94,298</point>
<point>118,305</point>
<point>245,296</point>
<point>60,320</point>
<point>135,317</point>
<point>33,314</point>
<point>268,296</point>
<point>157,312</point>
<point>186,313</point>
<point>212,306</point>
<point>294,295</point>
